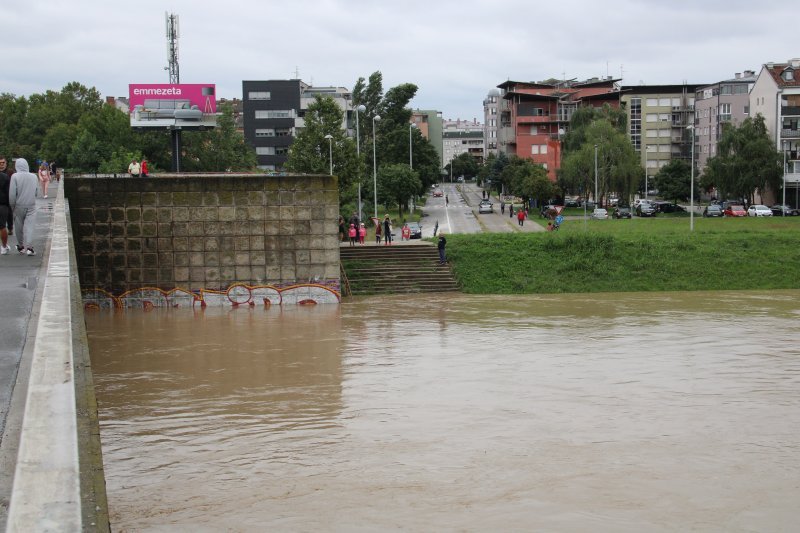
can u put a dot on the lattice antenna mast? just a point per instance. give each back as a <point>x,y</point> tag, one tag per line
<point>173,32</point>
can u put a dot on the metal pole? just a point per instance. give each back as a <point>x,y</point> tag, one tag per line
<point>595,176</point>
<point>783,205</point>
<point>691,191</point>
<point>359,107</point>
<point>330,153</point>
<point>410,147</point>
<point>375,167</point>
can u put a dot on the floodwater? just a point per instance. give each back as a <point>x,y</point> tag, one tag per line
<point>621,412</point>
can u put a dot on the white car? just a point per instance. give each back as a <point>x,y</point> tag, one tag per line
<point>759,211</point>
<point>485,207</point>
<point>599,214</point>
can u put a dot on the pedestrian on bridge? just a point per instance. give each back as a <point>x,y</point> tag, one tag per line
<point>5,211</point>
<point>22,199</point>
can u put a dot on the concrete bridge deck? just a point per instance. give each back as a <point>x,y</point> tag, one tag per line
<point>51,476</point>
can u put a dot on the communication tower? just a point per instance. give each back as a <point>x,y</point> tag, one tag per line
<point>173,33</point>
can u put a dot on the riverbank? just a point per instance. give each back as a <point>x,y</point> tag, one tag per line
<point>629,256</point>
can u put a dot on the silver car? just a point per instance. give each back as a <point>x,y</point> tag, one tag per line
<point>485,207</point>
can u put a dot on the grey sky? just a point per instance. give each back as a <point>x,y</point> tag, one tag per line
<point>454,50</point>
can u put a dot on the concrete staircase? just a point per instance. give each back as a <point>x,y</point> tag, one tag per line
<point>394,269</point>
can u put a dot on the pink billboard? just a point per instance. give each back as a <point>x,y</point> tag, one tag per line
<point>185,105</point>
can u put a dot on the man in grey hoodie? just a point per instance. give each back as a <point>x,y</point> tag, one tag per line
<point>22,199</point>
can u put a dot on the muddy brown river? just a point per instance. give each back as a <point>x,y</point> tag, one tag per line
<point>621,412</point>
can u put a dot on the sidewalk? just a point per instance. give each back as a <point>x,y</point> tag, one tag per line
<point>497,222</point>
<point>19,287</point>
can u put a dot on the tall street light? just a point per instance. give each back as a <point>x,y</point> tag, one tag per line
<point>691,191</point>
<point>330,152</point>
<point>360,108</point>
<point>783,205</point>
<point>375,168</point>
<point>595,176</point>
<point>411,127</point>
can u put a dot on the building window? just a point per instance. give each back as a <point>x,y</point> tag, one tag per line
<point>265,150</point>
<point>651,148</point>
<point>788,75</point>
<point>652,133</point>
<point>652,102</point>
<point>265,132</point>
<point>725,112</point>
<point>281,150</point>
<point>535,149</point>
<point>651,163</point>
<point>747,110</point>
<point>259,95</point>
<point>664,133</point>
<point>651,117</point>
<point>274,113</point>
<point>283,132</point>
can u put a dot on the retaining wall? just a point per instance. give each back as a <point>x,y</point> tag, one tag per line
<point>228,239</point>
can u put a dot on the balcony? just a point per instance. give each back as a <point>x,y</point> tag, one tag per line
<point>789,111</point>
<point>790,134</point>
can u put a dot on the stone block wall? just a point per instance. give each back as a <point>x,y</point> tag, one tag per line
<point>189,239</point>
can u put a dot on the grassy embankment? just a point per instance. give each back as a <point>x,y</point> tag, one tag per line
<point>632,255</point>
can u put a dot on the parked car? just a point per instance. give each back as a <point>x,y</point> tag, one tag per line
<point>668,207</point>
<point>415,230</point>
<point>646,209</point>
<point>759,211</point>
<point>571,201</point>
<point>713,210</point>
<point>622,212</point>
<point>485,207</point>
<point>599,214</point>
<point>438,193</point>
<point>735,211</point>
<point>784,210</point>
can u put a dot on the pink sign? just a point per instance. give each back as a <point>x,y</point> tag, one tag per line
<point>199,96</point>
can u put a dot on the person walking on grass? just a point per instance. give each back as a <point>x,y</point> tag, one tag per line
<point>22,199</point>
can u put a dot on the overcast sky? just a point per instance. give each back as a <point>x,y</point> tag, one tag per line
<point>455,51</point>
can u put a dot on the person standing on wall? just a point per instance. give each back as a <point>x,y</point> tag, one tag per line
<point>5,169</point>
<point>143,168</point>
<point>134,169</point>
<point>22,199</point>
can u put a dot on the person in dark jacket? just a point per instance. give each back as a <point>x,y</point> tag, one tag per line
<point>441,246</point>
<point>6,169</point>
<point>5,211</point>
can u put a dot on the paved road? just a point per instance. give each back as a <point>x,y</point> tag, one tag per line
<point>461,215</point>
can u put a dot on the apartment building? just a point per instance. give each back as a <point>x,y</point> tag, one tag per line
<point>724,102</point>
<point>533,116</point>
<point>274,111</point>
<point>490,122</point>
<point>429,123</point>
<point>658,118</point>
<point>776,96</point>
<point>462,137</point>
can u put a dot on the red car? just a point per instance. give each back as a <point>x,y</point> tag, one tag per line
<point>735,211</point>
<point>438,194</point>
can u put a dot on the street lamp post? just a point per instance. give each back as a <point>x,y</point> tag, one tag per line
<point>330,152</point>
<point>691,186</point>
<point>360,108</point>
<point>595,176</point>
<point>375,167</point>
<point>783,205</point>
<point>411,126</point>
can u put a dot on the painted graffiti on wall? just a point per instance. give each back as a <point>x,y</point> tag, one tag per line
<point>235,295</point>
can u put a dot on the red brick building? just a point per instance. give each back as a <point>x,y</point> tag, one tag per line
<point>534,116</point>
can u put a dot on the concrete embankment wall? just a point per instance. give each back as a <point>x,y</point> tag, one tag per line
<point>59,483</point>
<point>183,240</point>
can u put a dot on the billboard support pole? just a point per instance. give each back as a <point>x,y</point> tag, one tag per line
<point>176,150</point>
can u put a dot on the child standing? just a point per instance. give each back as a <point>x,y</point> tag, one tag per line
<point>362,232</point>
<point>352,234</point>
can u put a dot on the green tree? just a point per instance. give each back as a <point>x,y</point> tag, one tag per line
<point>85,153</point>
<point>397,184</point>
<point>310,150</point>
<point>674,181</point>
<point>463,165</point>
<point>526,179</point>
<point>746,161</point>
<point>618,166</point>
<point>221,149</point>
<point>58,141</point>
